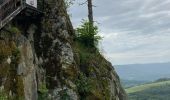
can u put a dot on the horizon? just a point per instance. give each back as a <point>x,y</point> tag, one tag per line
<point>143,71</point>
<point>134,31</point>
<point>144,63</point>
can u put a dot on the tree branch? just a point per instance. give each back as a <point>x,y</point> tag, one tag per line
<point>83,3</point>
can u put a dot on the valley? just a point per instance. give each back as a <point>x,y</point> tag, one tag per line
<point>145,81</point>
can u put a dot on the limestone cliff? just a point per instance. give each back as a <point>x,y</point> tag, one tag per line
<point>40,60</point>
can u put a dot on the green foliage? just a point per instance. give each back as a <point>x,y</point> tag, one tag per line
<point>156,93</point>
<point>13,82</point>
<point>6,49</point>
<point>43,88</point>
<point>43,96</point>
<point>43,92</point>
<point>3,95</point>
<point>153,91</point>
<point>15,30</point>
<point>16,55</point>
<point>93,81</point>
<point>84,58</point>
<point>131,83</point>
<point>83,85</point>
<point>162,80</point>
<point>87,34</point>
<point>145,86</point>
<point>85,55</point>
<point>64,95</point>
<point>19,88</point>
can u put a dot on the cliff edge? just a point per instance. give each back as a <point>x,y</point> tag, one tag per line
<point>40,60</point>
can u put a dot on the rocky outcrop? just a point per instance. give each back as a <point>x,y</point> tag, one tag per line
<point>17,61</point>
<point>40,60</point>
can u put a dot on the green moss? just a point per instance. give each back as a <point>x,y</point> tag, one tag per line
<point>43,88</point>
<point>16,55</point>
<point>85,55</point>
<point>97,70</point>
<point>4,69</point>
<point>70,73</point>
<point>20,88</point>
<point>8,49</point>
<point>106,90</point>
<point>3,95</point>
<point>13,83</point>
<point>5,50</point>
<point>14,30</point>
<point>96,92</point>
<point>43,92</point>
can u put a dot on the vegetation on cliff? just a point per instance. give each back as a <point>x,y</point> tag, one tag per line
<point>44,59</point>
<point>9,60</point>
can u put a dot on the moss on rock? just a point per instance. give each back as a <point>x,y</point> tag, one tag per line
<point>9,60</point>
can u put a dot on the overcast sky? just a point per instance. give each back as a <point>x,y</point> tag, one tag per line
<point>134,31</point>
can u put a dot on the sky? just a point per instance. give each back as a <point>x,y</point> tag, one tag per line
<point>133,31</point>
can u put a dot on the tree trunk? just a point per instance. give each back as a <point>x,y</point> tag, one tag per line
<point>91,22</point>
<point>90,11</point>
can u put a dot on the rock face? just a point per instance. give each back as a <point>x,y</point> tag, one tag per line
<point>40,60</point>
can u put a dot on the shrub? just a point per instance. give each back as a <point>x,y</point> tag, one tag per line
<point>87,34</point>
<point>43,92</point>
<point>83,85</point>
<point>43,88</point>
<point>64,95</point>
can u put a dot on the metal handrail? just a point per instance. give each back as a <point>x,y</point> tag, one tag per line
<point>11,8</point>
<point>7,8</point>
<point>6,1</point>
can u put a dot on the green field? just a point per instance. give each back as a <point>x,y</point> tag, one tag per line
<point>146,86</point>
<point>150,91</point>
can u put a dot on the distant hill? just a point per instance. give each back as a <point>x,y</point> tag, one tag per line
<point>146,86</point>
<point>143,72</point>
<point>131,83</point>
<point>151,91</point>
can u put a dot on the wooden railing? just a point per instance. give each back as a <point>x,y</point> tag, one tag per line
<point>8,7</point>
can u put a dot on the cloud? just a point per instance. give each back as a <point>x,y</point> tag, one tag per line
<point>137,49</point>
<point>134,31</point>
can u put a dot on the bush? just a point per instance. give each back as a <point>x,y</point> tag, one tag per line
<point>64,95</point>
<point>87,34</point>
<point>83,85</point>
<point>43,92</point>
